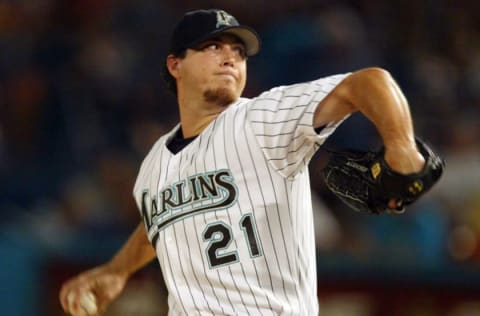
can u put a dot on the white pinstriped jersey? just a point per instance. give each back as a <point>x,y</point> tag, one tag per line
<point>230,215</point>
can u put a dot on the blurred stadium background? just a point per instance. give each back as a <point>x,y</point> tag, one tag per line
<point>82,101</point>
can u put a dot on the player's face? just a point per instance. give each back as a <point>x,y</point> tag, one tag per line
<point>216,69</point>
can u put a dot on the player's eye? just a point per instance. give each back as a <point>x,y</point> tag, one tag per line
<point>240,50</point>
<point>211,46</point>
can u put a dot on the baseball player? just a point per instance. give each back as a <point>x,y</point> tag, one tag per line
<point>224,197</point>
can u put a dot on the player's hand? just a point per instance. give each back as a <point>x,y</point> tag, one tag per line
<point>101,281</point>
<point>404,160</point>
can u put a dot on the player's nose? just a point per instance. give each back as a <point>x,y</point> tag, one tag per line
<point>228,55</point>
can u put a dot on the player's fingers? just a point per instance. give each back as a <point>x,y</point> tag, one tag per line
<point>103,301</point>
<point>63,296</point>
<point>82,302</point>
<point>70,295</point>
<point>67,294</point>
<point>395,206</point>
<point>70,303</point>
<point>391,204</point>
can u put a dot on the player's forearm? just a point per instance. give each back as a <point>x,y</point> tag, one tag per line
<point>134,254</point>
<point>373,92</point>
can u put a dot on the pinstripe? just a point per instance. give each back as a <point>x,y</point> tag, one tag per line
<point>156,192</point>
<point>281,222</point>
<point>269,225</point>
<point>216,216</point>
<point>276,135</point>
<point>285,167</point>
<point>286,146</point>
<point>209,143</point>
<point>229,218</point>
<point>276,100</point>
<point>239,159</point>
<point>151,170</point>
<point>300,234</point>
<point>289,220</point>
<point>278,146</point>
<point>199,286</point>
<point>182,269</point>
<point>166,250</point>
<point>306,125</point>
<point>215,212</point>
<point>160,171</point>
<point>173,308</point>
<point>284,121</point>
<point>173,279</point>
<point>298,120</point>
<point>289,166</point>
<point>197,234</point>
<point>279,109</point>
<point>200,142</point>
<point>293,151</point>
<point>188,245</point>
<point>291,133</point>
<point>283,96</point>
<point>224,288</point>
<point>297,230</point>
<point>310,269</point>
<point>251,204</point>
<point>303,165</point>
<point>276,122</point>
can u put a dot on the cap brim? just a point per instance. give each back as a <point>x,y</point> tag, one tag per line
<point>246,34</point>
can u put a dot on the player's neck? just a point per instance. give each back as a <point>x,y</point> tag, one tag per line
<point>194,119</point>
<point>196,113</point>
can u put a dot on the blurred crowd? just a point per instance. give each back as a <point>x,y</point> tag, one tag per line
<point>82,100</point>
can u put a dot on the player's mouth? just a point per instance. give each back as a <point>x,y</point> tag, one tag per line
<point>227,74</point>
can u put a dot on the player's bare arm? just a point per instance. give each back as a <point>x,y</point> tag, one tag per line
<point>135,254</point>
<point>107,281</point>
<point>374,92</point>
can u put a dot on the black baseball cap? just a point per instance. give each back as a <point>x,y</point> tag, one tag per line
<point>200,25</point>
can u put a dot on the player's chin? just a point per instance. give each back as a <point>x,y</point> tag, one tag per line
<point>223,96</point>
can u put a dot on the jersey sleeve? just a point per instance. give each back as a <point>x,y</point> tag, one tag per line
<point>282,122</point>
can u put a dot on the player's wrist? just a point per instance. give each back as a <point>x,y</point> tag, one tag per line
<point>114,268</point>
<point>399,141</point>
<point>405,160</point>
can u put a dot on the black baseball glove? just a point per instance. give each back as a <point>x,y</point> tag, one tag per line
<point>365,182</point>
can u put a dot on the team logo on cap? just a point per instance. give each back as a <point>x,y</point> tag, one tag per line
<point>223,19</point>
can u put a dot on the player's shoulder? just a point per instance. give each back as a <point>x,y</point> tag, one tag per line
<point>296,89</point>
<point>233,108</point>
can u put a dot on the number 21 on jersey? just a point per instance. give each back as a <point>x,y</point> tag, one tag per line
<point>219,237</point>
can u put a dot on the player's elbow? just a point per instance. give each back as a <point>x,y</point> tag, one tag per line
<point>367,85</point>
<point>373,75</point>
<point>366,89</point>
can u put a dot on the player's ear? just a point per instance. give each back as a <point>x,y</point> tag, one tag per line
<point>173,65</point>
